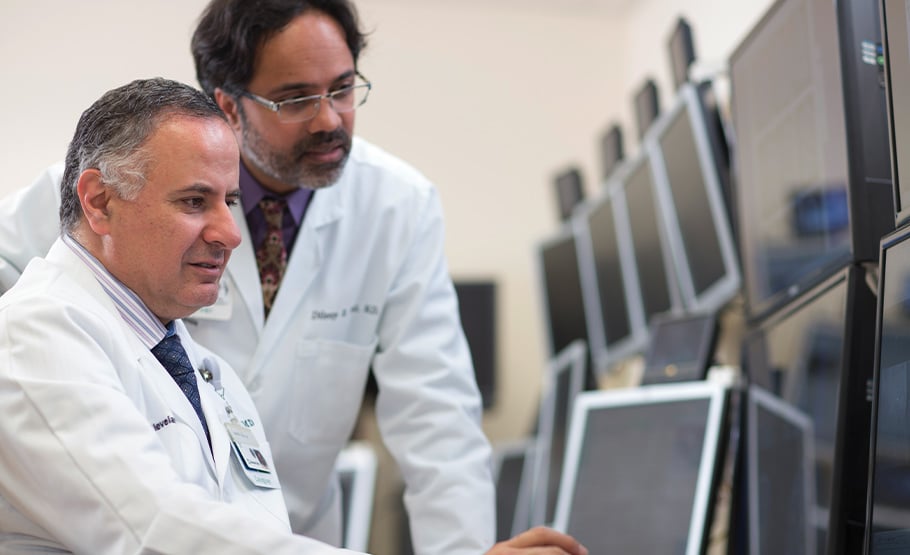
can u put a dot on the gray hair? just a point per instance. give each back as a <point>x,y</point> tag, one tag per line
<point>111,134</point>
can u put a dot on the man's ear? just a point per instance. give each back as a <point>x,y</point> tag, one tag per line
<point>95,198</point>
<point>229,106</point>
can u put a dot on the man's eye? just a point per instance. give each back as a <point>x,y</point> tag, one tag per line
<point>232,201</point>
<point>194,202</point>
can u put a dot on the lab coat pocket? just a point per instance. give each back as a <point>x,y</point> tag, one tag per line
<point>329,381</point>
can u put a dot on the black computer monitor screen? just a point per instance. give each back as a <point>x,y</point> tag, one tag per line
<point>563,301</point>
<point>611,291</point>
<point>700,234</point>
<point>791,155</point>
<point>895,16</point>
<point>477,308</point>
<point>509,465</point>
<point>781,477</point>
<point>888,529</point>
<point>805,345</point>
<point>651,258</point>
<point>563,382</point>
<point>681,348</point>
<point>639,468</point>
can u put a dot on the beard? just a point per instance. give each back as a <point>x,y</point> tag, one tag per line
<point>289,167</point>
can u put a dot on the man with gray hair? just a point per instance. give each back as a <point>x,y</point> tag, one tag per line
<point>120,433</point>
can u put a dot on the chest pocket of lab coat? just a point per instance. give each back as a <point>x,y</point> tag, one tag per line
<point>329,383</point>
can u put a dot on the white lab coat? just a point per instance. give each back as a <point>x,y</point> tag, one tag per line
<point>102,453</point>
<point>366,284</point>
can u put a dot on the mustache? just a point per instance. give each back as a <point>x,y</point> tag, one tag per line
<point>316,141</point>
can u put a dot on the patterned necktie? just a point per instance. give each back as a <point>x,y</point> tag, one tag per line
<point>171,354</point>
<point>272,254</point>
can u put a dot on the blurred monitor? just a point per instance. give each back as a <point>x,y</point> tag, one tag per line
<point>639,217</point>
<point>895,16</point>
<point>356,467</point>
<point>569,191</point>
<point>888,508</point>
<point>690,166</point>
<point>511,463</point>
<point>477,308</point>
<point>611,150</point>
<point>812,175</point>
<point>647,106</point>
<point>681,47</point>
<point>681,348</point>
<point>819,349</point>
<point>559,284</point>
<point>563,381</point>
<point>781,476</point>
<point>613,307</point>
<point>641,468</point>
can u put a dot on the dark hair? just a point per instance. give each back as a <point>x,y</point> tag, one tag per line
<point>110,135</point>
<point>231,32</point>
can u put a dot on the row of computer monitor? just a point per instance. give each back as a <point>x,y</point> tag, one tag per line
<point>656,240</point>
<point>638,470</point>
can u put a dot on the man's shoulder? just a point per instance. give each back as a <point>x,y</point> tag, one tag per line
<point>369,162</point>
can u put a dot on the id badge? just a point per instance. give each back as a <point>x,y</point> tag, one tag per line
<point>252,459</point>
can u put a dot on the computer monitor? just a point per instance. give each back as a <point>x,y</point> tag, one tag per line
<point>896,45</point>
<point>563,381</point>
<point>639,217</point>
<point>569,191</point>
<point>562,303</point>
<point>477,309</point>
<point>356,467</point>
<point>611,150</point>
<point>690,167</point>
<point>647,106</point>
<point>512,464</point>
<point>681,47</point>
<point>613,308</point>
<point>681,348</point>
<point>812,174</point>
<point>821,347</point>
<point>888,507</point>
<point>641,468</point>
<point>781,476</point>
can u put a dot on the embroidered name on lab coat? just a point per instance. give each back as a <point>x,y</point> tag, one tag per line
<point>169,420</point>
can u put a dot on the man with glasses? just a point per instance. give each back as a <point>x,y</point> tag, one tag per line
<point>341,269</point>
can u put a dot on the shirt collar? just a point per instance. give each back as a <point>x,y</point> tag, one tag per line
<point>251,192</point>
<point>134,312</point>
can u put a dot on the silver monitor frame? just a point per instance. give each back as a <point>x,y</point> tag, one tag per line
<point>358,459</point>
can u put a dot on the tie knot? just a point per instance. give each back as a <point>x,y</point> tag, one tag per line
<point>171,354</point>
<point>273,211</point>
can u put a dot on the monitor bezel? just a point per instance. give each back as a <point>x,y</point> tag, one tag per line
<point>587,401</point>
<point>901,215</point>
<point>601,354</point>
<point>688,102</point>
<point>572,360</point>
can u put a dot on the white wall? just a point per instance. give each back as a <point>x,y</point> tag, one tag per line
<point>489,100</point>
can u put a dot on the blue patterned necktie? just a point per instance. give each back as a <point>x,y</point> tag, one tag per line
<point>171,354</point>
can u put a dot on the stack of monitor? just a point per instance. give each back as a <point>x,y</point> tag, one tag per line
<point>657,239</point>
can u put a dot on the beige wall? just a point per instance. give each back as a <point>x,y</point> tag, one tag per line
<point>487,98</point>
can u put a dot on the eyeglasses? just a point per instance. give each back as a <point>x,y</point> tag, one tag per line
<point>303,108</point>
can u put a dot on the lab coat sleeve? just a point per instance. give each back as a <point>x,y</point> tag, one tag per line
<point>29,224</point>
<point>429,407</point>
<point>82,464</point>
